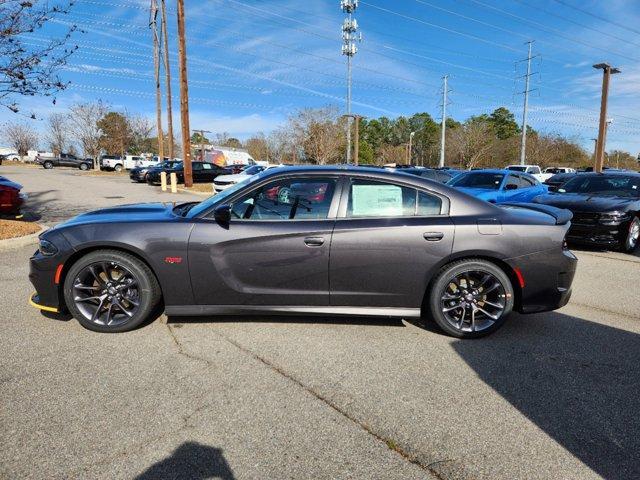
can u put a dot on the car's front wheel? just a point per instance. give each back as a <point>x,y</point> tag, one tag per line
<point>48,165</point>
<point>630,243</point>
<point>84,166</point>
<point>118,168</point>
<point>111,291</point>
<point>470,298</point>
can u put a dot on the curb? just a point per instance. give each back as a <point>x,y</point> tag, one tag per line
<point>19,242</point>
<point>203,194</point>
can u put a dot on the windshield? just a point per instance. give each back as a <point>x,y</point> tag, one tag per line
<point>618,185</point>
<point>220,198</point>
<point>478,180</point>
<point>517,169</point>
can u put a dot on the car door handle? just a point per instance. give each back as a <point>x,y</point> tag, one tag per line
<point>433,236</point>
<point>314,241</point>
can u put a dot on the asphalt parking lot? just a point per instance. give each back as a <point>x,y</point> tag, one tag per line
<point>553,395</point>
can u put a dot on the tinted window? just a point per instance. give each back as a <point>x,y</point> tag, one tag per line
<point>516,168</point>
<point>369,198</point>
<point>479,180</point>
<point>287,199</point>
<point>524,182</point>
<point>428,205</point>
<point>618,185</point>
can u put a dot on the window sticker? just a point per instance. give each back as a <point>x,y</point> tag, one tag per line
<point>376,200</point>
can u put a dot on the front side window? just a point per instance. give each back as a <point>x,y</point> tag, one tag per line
<point>370,198</point>
<point>287,199</point>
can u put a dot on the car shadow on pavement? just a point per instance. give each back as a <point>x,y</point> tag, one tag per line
<point>192,461</point>
<point>577,380</point>
<point>314,319</point>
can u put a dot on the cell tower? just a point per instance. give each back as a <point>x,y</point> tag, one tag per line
<point>350,37</point>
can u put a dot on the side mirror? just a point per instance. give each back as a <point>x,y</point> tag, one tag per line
<point>222,214</point>
<point>511,186</point>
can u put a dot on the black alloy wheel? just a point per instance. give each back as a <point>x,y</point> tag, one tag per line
<point>111,291</point>
<point>470,298</point>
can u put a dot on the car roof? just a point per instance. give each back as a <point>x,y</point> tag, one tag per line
<point>610,173</point>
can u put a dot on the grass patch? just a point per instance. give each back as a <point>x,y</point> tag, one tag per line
<point>104,173</point>
<point>11,163</point>
<point>199,187</point>
<point>15,228</point>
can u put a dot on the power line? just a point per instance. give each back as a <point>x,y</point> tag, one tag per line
<point>598,17</point>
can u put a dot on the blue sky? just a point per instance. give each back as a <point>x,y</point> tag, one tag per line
<point>252,62</point>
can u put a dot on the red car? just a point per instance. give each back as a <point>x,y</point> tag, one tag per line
<point>10,198</point>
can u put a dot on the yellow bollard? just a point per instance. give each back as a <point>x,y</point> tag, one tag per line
<point>163,181</point>
<point>174,182</point>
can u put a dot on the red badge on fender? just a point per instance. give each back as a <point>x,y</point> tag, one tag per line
<point>172,260</point>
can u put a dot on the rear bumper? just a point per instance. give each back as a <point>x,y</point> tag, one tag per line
<point>548,277</point>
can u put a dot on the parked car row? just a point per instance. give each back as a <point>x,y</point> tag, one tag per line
<point>605,206</point>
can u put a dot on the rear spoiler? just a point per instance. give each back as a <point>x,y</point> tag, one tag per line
<point>561,215</point>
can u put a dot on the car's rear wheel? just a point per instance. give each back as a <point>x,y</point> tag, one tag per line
<point>84,166</point>
<point>470,298</point>
<point>111,291</point>
<point>630,243</point>
<point>48,165</point>
<point>118,168</point>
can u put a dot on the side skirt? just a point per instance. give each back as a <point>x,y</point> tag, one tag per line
<point>204,310</point>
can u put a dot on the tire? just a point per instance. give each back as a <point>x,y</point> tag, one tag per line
<point>465,295</point>
<point>118,168</point>
<point>108,304</point>
<point>631,241</point>
<point>84,166</point>
<point>48,165</point>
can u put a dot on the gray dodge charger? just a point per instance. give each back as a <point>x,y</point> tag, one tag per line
<point>310,241</point>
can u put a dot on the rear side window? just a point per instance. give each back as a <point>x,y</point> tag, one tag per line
<point>370,199</point>
<point>524,182</point>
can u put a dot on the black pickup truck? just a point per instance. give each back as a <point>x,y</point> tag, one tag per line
<point>65,160</point>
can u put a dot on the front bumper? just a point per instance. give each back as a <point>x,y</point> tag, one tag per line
<point>597,235</point>
<point>34,301</point>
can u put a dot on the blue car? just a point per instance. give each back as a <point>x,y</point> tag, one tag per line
<point>499,186</point>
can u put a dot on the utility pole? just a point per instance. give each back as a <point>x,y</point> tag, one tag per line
<point>167,70</point>
<point>523,142</point>
<point>444,120</point>
<point>202,132</point>
<point>184,97</point>
<point>156,66</point>
<point>602,127</point>
<point>349,39</point>
<point>411,135</point>
<point>357,119</point>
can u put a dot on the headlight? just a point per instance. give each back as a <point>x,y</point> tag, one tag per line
<point>613,218</point>
<point>47,248</point>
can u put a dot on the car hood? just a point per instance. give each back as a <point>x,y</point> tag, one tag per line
<point>237,177</point>
<point>141,212</point>
<point>586,203</point>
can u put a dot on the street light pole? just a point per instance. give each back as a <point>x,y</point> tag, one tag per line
<point>602,127</point>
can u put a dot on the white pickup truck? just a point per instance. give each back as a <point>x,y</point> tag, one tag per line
<point>112,162</point>
<point>533,170</point>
